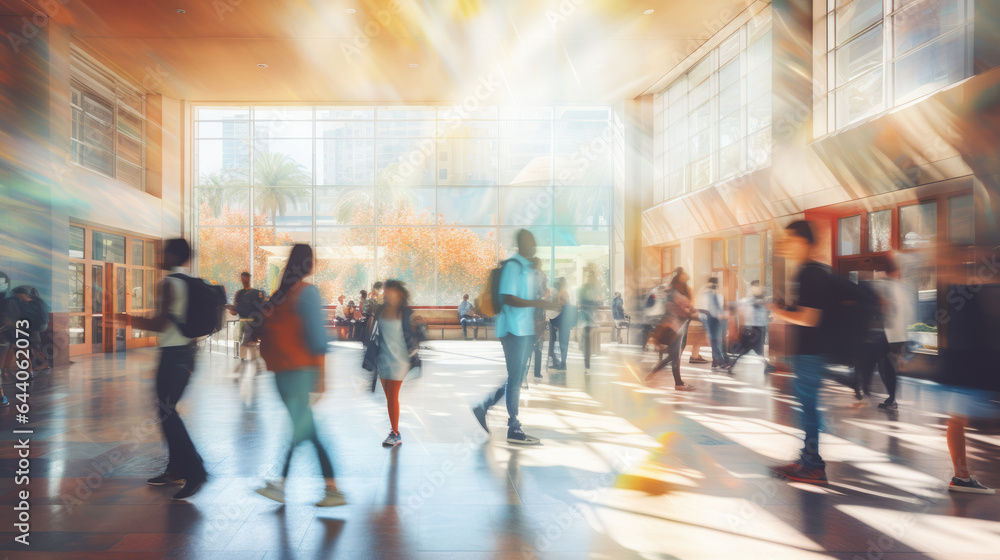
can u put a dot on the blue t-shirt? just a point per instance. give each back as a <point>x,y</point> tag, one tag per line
<point>517,279</point>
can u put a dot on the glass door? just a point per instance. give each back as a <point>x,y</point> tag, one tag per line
<point>120,305</point>
<point>97,307</point>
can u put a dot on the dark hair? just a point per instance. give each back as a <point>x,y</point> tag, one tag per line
<point>713,280</point>
<point>520,233</point>
<point>179,248</point>
<point>399,286</point>
<point>754,283</point>
<point>674,280</point>
<point>377,285</point>
<point>299,265</point>
<point>247,274</point>
<point>803,229</point>
<point>465,296</point>
<point>364,294</point>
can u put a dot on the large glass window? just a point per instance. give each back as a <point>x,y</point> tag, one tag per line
<point>421,193</point>
<point>883,53</point>
<point>714,122</point>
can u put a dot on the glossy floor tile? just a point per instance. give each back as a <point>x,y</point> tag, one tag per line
<point>627,469</point>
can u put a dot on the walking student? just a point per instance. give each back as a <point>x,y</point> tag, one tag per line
<point>515,327</point>
<point>754,316</point>
<point>294,347</point>
<point>590,301</point>
<point>712,308</point>
<point>541,292</point>
<point>677,312</point>
<point>884,347</point>
<point>560,325</point>
<point>798,247</point>
<point>245,302</point>
<point>396,351</point>
<point>184,465</point>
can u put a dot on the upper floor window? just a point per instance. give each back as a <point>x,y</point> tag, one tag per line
<point>884,53</point>
<point>714,122</point>
<point>109,123</point>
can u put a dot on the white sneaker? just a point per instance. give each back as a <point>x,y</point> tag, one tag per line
<point>333,498</point>
<point>273,491</point>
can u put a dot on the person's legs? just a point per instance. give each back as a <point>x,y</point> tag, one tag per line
<point>553,332</point>
<point>475,327</point>
<point>808,380</point>
<point>887,369</point>
<point>538,356</point>
<point>714,327</point>
<point>674,355</point>
<point>515,350</point>
<point>391,389</point>
<point>293,387</point>
<point>172,376</point>
<point>586,347</point>
<point>465,327</point>
<point>564,332</point>
<point>868,357</point>
<point>955,435</point>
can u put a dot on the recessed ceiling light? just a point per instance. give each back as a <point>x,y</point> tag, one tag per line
<point>350,10</point>
<point>647,12</point>
<point>180,11</point>
<point>262,65</point>
<point>414,65</point>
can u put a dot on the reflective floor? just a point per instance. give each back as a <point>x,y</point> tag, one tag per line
<point>627,469</point>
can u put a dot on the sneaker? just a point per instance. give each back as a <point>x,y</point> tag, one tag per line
<point>190,488</point>
<point>4,401</point>
<point>480,413</point>
<point>807,475</point>
<point>684,387</point>
<point>538,376</point>
<point>517,435</point>
<point>697,361</point>
<point>769,368</point>
<point>164,479</point>
<point>333,498</point>
<point>782,471</point>
<point>888,405</point>
<point>857,393</point>
<point>273,491</point>
<point>971,486</point>
<point>392,440</point>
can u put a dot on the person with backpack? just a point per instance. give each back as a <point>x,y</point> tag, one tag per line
<point>808,317</point>
<point>393,350</point>
<point>511,288</point>
<point>294,345</point>
<point>676,311</point>
<point>185,311</point>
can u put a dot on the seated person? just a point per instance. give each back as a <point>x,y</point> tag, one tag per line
<point>467,316</point>
<point>618,315</point>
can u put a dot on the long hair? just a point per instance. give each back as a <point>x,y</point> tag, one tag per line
<point>399,286</point>
<point>677,285</point>
<point>299,265</point>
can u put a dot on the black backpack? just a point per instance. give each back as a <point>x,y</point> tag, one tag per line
<point>204,307</point>
<point>854,310</point>
<point>249,302</point>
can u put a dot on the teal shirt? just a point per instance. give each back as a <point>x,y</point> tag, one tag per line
<point>517,279</point>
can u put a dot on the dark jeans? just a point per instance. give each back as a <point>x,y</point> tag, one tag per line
<point>878,352</point>
<point>294,387</point>
<point>474,321</point>
<point>516,350</point>
<point>808,380</point>
<point>673,356</point>
<point>172,376</point>
<point>752,338</point>
<point>539,342</point>
<point>556,330</point>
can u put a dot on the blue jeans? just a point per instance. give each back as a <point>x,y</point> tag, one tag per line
<point>516,350</point>
<point>716,337</point>
<point>808,380</point>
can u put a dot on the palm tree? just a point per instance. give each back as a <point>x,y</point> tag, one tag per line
<point>272,169</point>
<point>222,191</point>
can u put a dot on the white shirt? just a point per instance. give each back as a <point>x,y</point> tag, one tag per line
<point>339,311</point>
<point>900,309</point>
<point>171,335</point>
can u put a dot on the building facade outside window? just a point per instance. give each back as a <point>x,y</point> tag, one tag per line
<point>409,192</point>
<point>108,133</point>
<point>714,122</point>
<point>884,53</point>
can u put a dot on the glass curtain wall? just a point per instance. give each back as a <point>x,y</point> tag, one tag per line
<point>429,195</point>
<point>714,122</point>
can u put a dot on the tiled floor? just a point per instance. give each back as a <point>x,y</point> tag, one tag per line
<point>627,469</point>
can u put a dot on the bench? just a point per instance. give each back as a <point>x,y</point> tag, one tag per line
<point>444,319</point>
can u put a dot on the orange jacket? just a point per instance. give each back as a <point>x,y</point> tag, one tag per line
<point>283,344</point>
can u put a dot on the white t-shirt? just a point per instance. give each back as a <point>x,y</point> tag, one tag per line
<point>171,336</point>
<point>900,312</point>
